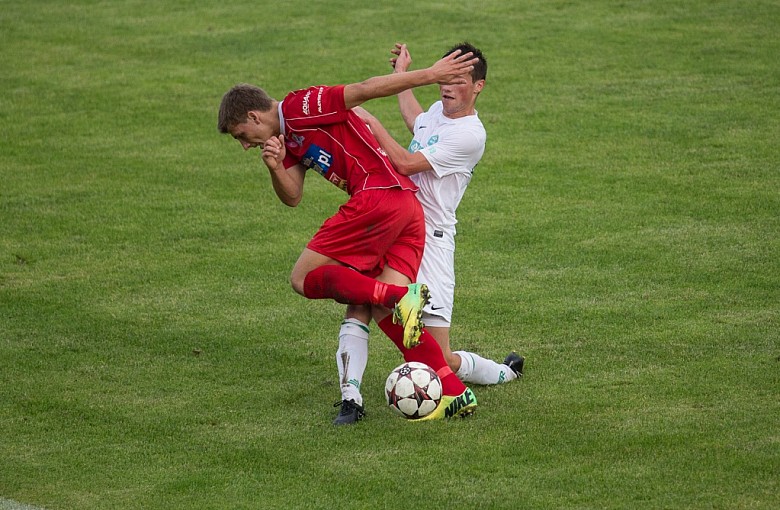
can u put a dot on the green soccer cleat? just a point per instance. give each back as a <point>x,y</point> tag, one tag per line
<point>408,313</point>
<point>460,406</point>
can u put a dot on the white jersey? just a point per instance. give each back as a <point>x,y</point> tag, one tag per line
<point>453,147</point>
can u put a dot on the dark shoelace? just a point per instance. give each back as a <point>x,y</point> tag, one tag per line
<point>347,406</point>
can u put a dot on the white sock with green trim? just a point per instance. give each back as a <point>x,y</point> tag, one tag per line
<point>477,370</point>
<point>352,358</point>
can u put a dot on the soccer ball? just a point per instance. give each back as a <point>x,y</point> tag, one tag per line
<point>413,390</point>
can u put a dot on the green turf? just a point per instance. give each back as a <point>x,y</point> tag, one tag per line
<point>621,232</point>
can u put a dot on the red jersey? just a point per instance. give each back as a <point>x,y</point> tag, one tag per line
<point>321,134</point>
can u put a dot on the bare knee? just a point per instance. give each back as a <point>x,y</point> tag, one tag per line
<point>296,281</point>
<point>308,261</point>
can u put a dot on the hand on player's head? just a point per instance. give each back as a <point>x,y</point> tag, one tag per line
<point>453,68</point>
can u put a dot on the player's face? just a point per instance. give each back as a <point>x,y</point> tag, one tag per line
<point>252,133</point>
<point>459,100</point>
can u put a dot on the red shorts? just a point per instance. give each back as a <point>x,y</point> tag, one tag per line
<point>374,228</point>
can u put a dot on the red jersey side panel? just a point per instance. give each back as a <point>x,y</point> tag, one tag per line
<point>324,136</point>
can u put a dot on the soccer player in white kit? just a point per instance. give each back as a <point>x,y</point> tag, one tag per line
<point>449,140</point>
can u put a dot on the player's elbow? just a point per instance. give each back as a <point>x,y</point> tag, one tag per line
<point>409,163</point>
<point>292,201</point>
<point>288,197</point>
<point>403,169</point>
<point>289,200</point>
<point>405,166</point>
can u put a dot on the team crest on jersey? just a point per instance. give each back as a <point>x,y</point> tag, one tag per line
<point>415,146</point>
<point>295,141</point>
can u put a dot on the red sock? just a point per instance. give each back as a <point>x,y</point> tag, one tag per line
<point>428,351</point>
<point>349,287</point>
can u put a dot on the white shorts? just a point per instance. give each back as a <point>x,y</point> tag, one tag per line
<point>437,271</point>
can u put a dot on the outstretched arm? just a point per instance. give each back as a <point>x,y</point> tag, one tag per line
<point>449,69</point>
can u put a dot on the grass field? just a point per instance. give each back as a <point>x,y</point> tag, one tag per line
<point>622,232</point>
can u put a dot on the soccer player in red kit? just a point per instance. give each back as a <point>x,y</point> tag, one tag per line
<point>370,250</point>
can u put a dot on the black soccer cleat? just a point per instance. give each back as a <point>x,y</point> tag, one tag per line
<point>515,362</point>
<point>349,414</point>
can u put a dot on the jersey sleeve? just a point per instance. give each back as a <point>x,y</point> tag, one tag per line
<point>290,160</point>
<point>314,106</point>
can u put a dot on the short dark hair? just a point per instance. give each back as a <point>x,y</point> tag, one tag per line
<point>238,102</point>
<point>480,68</point>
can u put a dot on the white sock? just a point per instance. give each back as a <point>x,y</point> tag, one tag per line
<point>477,370</point>
<point>352,358</point>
